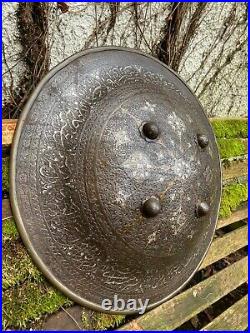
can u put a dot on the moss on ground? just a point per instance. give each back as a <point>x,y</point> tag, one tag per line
<point>100,321</point>
<point>9,230</point>
<point>230,128</point>
<point>233,196</point>
<point>29,302</point>
<point>17,265</point>
<point>5,174</point>
<point>232,147</point>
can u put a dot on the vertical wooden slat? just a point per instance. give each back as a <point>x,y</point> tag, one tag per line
<point>8,129</point>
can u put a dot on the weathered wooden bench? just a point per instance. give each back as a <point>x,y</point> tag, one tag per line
<point>215,299</point>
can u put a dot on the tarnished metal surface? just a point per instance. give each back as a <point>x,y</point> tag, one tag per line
<point>106,204</point>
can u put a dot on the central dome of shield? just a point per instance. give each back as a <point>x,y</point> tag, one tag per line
<point>116,179</point>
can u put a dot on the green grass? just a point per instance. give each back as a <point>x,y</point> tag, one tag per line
<point>29,302</point>
<point>5,173</point>
<point>233,196</point>
<point>100,321</point>
<point>230,128</point>
<point>232,147</point>
<point>9,230</point>
<point>17,265</point>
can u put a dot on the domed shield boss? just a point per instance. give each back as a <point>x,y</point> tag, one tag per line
<point>115,179</point>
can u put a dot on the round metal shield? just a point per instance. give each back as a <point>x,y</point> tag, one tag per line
<point>115,179</point>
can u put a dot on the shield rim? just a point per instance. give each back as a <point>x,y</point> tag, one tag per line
<point>13,198</point>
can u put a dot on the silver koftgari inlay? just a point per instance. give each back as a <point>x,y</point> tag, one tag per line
<point>115,178</point>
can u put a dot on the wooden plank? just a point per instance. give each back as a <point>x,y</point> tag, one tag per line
<point>236,216</point>
<point>233,319</point>
<point>236,169</point>
<point>227,118</point>
<point>184,306</point>
<point>223,246</point>
<point>8,129</point>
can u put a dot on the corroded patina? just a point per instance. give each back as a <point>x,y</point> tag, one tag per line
<point>85,164</point>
